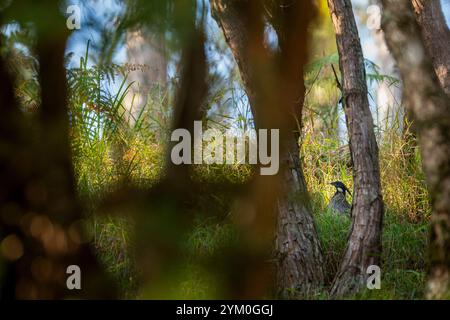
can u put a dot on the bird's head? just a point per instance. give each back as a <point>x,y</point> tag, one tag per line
<point>340,187</point>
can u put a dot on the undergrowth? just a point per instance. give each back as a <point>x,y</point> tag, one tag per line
<point>110,150</point>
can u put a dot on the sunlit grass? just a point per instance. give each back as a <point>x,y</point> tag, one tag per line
<point>135,156</point>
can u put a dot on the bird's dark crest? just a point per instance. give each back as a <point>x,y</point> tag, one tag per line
<point>340,185</point>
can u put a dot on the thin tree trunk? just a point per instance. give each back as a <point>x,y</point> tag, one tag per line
<point>436,37</point>
<point>390,112</point>
<point>297,247</point>
<point>144,48</point>
<point>364,243</point>
<point>430,107</point>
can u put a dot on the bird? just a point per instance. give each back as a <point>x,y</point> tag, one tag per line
<point>338,203</point>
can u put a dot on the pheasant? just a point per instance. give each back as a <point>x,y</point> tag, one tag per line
<point>338,203</point>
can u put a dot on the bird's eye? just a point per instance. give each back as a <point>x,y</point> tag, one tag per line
<point>340,190</point>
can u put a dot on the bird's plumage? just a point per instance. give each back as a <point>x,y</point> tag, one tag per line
<point>338,203</point>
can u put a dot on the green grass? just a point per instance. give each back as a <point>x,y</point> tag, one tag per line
<point>108,151</point>
<point>404,237</point>
<point>113,245</point>
<point>403,260</point>
<point>407,211</point>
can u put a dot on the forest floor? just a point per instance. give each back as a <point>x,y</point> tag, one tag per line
<point>405,225</point>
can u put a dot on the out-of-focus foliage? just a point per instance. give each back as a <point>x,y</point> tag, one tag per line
<point>110,150</point>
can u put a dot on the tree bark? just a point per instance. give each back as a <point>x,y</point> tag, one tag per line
<point>430,108</point>
<point>298,251</point>
<point>297,247</point>
<point>436,37</point>
<point>364,243</point>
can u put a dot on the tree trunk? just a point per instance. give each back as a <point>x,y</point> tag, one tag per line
<point>364,243</point>
<point>145,49</point>
<point>436,37</point>
<point>430,108</point>
<point>297,247</point>
<point>390,112</point>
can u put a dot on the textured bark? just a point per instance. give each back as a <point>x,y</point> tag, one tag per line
<point>297,247</point>
<point>436,37</point>
<point>276,97</point>
<point>430,108</point>
<point>364,243</point>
